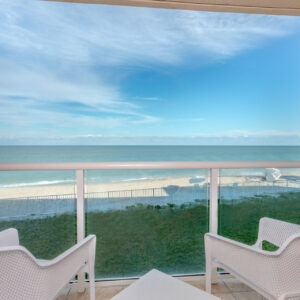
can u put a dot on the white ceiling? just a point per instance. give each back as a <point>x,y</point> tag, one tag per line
<point>275,7</point>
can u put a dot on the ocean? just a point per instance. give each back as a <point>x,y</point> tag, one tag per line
<point>131,153</point>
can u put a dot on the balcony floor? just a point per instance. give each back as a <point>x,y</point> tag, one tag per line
<point>227,288</point>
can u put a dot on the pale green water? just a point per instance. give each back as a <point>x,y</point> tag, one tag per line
<point>130,153</point>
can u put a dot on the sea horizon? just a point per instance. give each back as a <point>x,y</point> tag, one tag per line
<point>105,153</point>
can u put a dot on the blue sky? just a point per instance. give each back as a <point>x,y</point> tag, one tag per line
<point>96,74</point>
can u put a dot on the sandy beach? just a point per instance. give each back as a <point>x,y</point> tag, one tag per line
<point>50,200</point>
<point>54,189</point>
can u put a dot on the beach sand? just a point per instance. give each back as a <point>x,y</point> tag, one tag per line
<point>46,190</point>
<point>42,200</point>
<point>228,181</point>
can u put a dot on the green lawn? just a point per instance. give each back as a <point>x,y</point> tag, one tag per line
<point>240,221</point>
<point>170,238</point>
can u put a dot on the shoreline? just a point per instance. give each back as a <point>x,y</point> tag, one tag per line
<point>45,201</point>
<point>68,189</point>
<point>63,189</point>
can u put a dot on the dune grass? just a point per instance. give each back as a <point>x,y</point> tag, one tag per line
<point>170,238</point>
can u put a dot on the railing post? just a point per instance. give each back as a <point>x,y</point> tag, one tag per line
<point>80,219</point>
<point>214,210</point>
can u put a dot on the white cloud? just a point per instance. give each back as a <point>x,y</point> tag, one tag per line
<point>45,84</point>
<point>105,35</point>
<point>22,115</point>
<point>255,134</point>
<point>77,54</point>
<point>91,136</point>
<point>147,98</point>
<point>33,120</point>
<point>145,119</point>
<point>225,35</point>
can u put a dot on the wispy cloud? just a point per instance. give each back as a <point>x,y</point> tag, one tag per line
<point>147,98</point>
<point>249,134</point>
<point>105,35</point>
<point>47,84</point>
<point>19,114</point>
<point>62,64</point>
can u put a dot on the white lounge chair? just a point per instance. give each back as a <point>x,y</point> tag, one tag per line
<point>23,277</point>
<point>275,275</point>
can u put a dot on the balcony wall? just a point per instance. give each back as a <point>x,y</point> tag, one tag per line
<point>151,225</point>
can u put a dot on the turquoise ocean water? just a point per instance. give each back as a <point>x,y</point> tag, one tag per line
<point>130,153</point>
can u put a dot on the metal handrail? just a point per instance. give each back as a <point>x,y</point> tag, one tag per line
<point>165,165</point>
<point>79,167</point>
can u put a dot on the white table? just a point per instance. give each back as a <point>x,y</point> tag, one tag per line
<point>156,285</point>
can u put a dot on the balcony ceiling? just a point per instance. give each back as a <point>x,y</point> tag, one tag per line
<point>273,7</point>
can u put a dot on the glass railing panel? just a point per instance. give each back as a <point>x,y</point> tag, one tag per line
<point>42,206</point>
<point>246,195</point>
<point>147,219</point>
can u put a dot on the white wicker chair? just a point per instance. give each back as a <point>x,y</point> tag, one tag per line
<point>275,275</point>
<point>23,277</point>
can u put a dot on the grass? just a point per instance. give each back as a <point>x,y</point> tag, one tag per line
<point>140,238</point>
<point>240,221</point>
<point>46,237</point>
<point>169,238</point>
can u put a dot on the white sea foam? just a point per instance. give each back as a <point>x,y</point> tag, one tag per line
<point>36,183</point>
<point>138,179</point>
<point>99,180</point>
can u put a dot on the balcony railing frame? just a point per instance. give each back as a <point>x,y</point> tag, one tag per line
<point>80,167</point>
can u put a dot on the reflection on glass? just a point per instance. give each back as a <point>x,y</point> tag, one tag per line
<point>248,195</point>
<point>42,206</point>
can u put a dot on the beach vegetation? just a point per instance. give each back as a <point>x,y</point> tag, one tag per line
<point>170,238</point>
